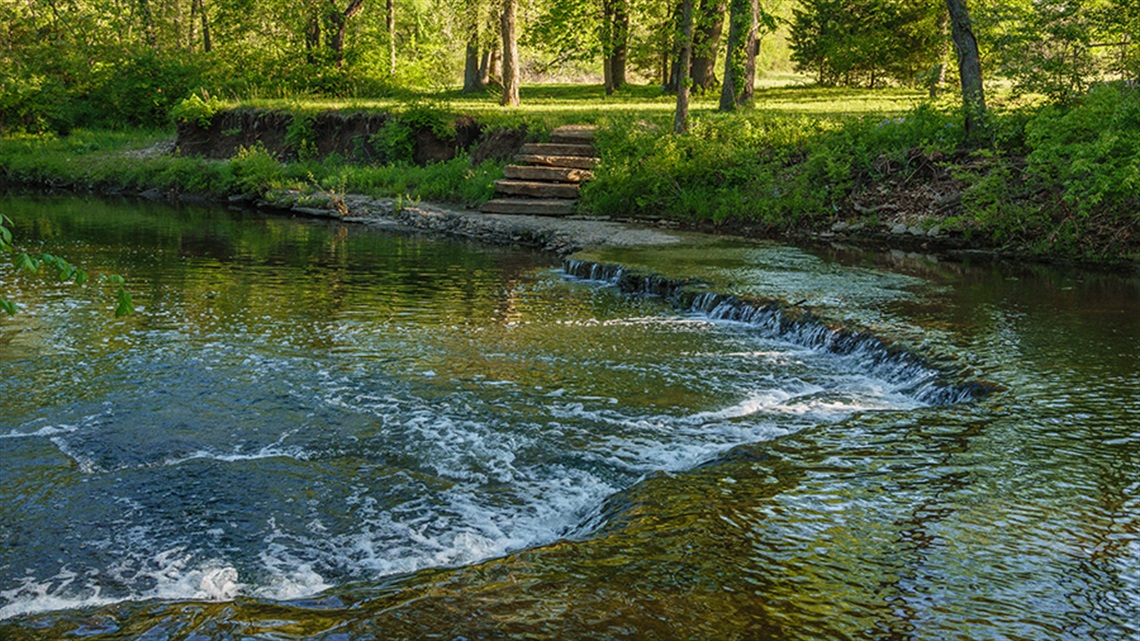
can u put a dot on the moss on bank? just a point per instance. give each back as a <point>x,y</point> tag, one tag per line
<point>1049,182</point>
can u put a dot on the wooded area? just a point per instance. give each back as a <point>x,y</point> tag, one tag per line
<point>67,63</point>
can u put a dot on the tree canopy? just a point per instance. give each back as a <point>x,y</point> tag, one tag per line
<point>67,63</point>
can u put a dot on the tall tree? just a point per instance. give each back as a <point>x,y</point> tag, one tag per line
<point>707,32</point>
<point>337,21</point>
<point>472,79</point>
<point>681,116</point>
<point>615,43</point>
<point>510,96</point>
<point>969,67</point>
<point>740,57</point>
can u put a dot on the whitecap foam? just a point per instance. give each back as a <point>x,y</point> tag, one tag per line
<point>171,574</point>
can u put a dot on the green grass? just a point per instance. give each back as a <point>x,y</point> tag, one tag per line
<point>555,104</point>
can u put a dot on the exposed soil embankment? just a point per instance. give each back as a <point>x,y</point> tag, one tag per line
<point>354,136</point>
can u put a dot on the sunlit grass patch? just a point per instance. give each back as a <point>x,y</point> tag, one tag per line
<point>561,104</point>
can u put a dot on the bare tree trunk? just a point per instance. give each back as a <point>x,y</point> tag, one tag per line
<point>706,43</point>
<point>510,97</point>
<point>740,57</point>
<point>390,10</point>
<point>969,67</point>
<point>681,117</point>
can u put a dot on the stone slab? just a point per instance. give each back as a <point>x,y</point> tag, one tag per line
<point>529,206</point>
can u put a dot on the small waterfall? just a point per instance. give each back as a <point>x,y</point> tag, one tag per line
<point>913,374</point>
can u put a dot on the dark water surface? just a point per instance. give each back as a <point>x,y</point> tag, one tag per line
<point>312,431</point>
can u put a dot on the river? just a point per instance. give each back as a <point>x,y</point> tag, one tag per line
<point>318,431</point>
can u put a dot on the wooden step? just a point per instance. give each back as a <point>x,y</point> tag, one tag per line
<point>578,162</point>
<point>573,134</point>
<point>529,206</point>
<point>557,149</point>
<point>536,189</point>
<point>552,174</point>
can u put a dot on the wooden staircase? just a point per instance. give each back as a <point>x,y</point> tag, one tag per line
<point>546,179</point>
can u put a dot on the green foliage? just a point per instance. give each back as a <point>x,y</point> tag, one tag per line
<point>776,172</point>
<point>1092,151</point>
<point>59,268</point>
<point>851,42</point>
<point>299,135</point>
<point>256,171</point>
<point>199,108</point>
<point>1067,183</point>
<point>1045,47</point>
<point>396,140</point>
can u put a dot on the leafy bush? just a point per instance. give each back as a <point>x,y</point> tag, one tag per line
<point>198,108</point>
<point>776,171</point>
<point>1091,150</point>
<point>256,171</point>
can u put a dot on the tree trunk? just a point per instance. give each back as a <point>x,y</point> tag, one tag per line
<point>740,57</point>
<point>486,63</point>
<point>674,65</point>
<point>207,44</point>
<point>607,38</point>
<point>944,57</point>
<point>969,67</point>
<point>681,117</point>
<point>472,78</point>
<point>620,43</point>
<point>510,97</point>
<point>706,43</point>
<point>390,10</point>
<point>338,28</point>
<point>471,75</point>
<point>312,36</point>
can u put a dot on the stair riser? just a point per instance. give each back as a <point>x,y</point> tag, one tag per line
<point>536,190</point>
<point>550,174</point>
<point>529,207</point>
<point>576,162</point>
<point>554,149</point>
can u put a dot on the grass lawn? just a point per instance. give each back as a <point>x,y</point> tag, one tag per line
<point>556,104</point>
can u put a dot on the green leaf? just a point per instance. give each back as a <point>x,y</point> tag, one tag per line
<point>26,263</point>
<point>126,306</point>
<point>8,306</point>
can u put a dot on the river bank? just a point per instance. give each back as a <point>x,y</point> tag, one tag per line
<point>1042,190</point>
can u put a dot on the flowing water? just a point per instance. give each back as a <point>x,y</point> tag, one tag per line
<point>313,431</point>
